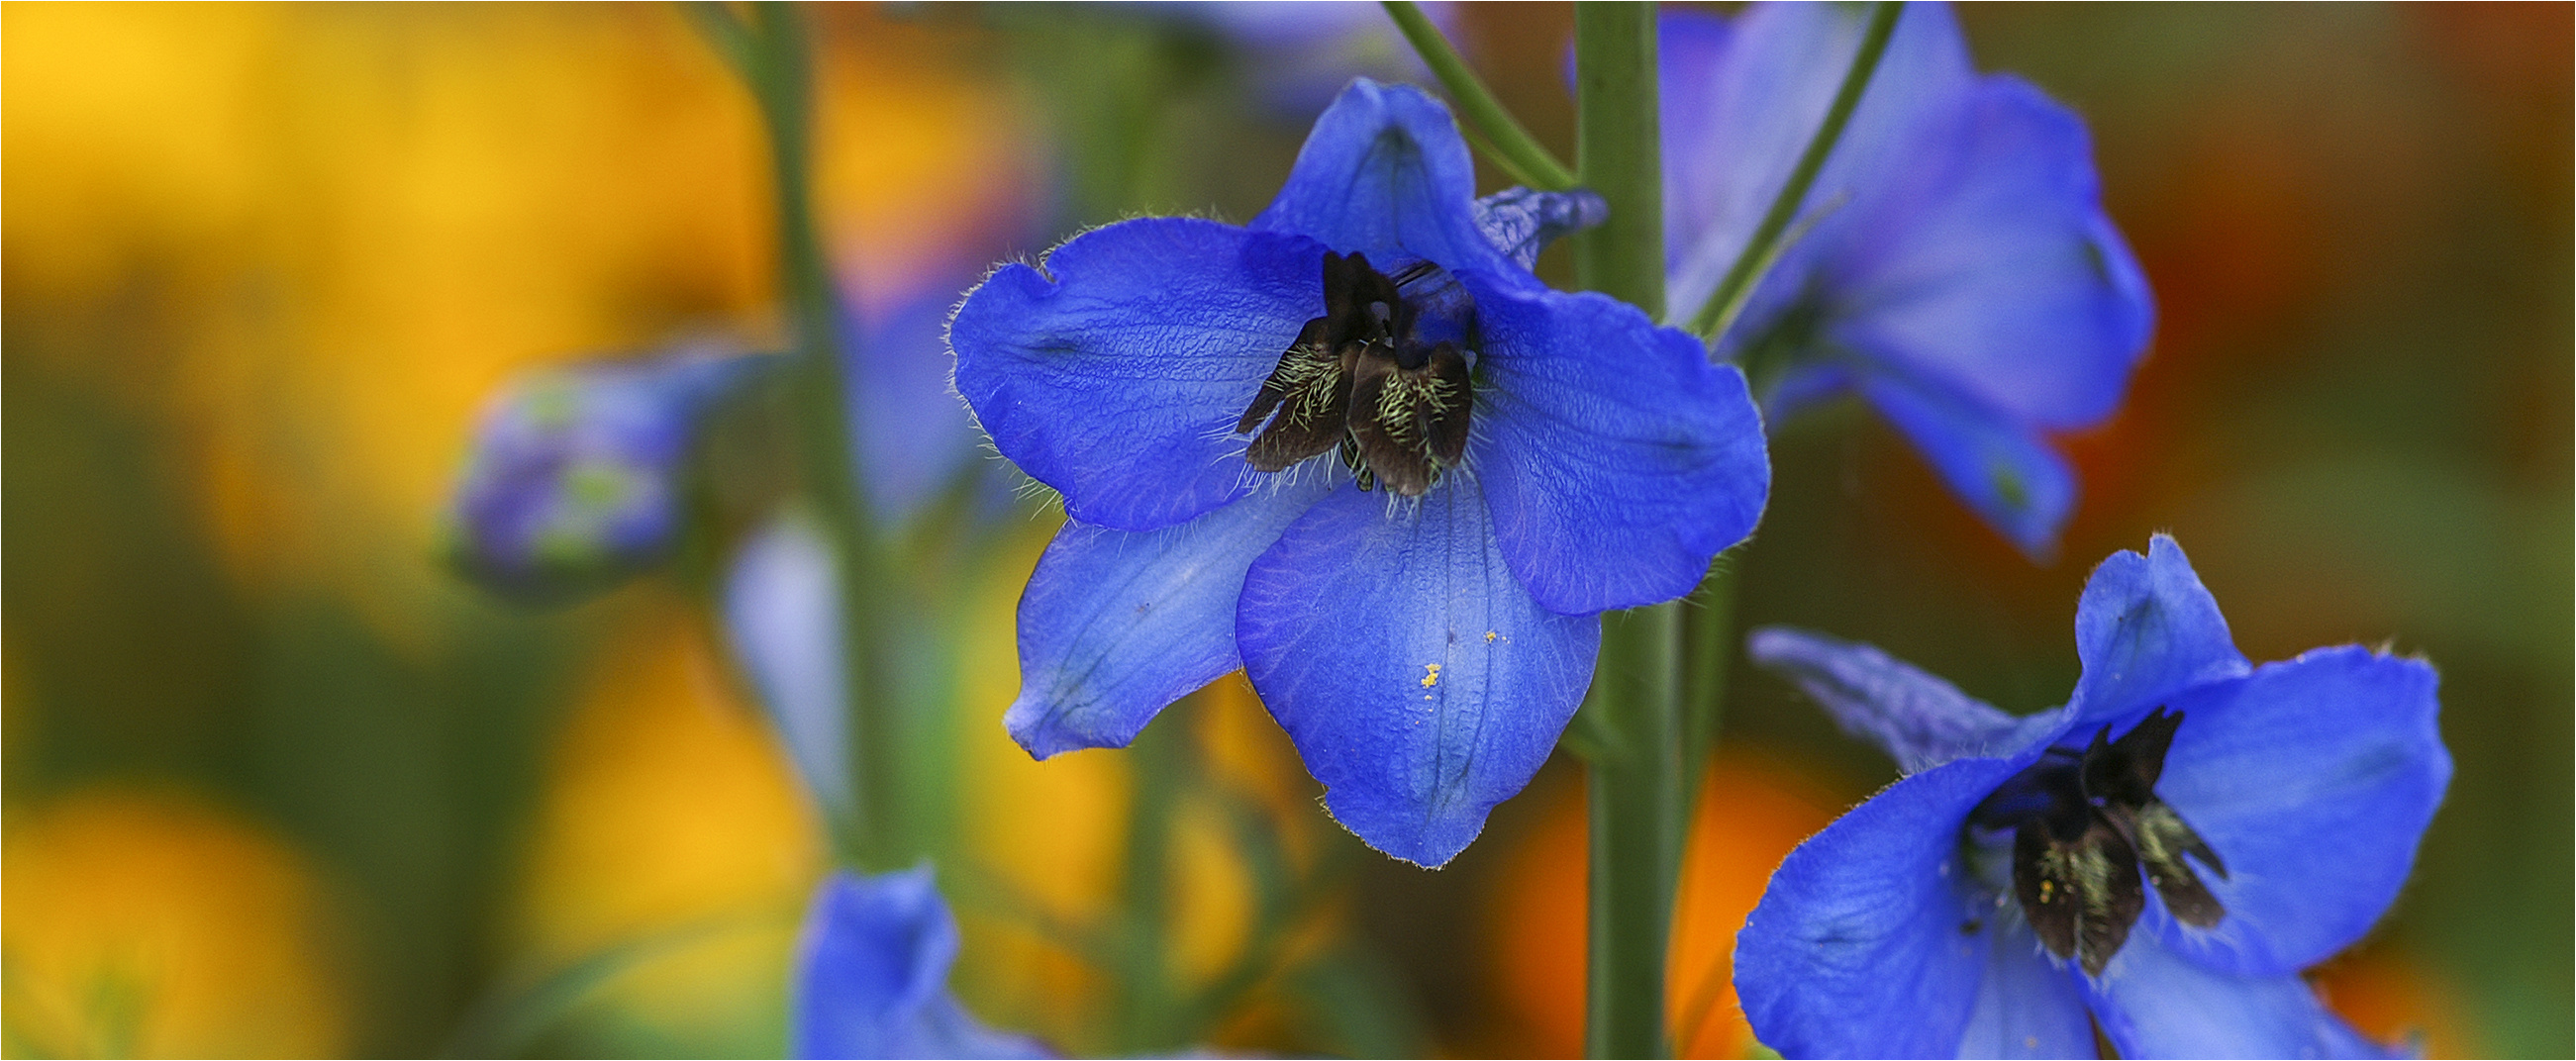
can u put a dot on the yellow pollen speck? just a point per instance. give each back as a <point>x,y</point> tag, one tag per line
<point>1430,675</point>
<point>1489,637</point>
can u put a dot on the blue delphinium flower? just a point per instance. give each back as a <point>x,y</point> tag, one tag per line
<point>1952,264</point>
<point>573,481</point>
<point>1356,449</point>
<point>871,976</point>
<point>2165,852</point>
<point>1301,54</point>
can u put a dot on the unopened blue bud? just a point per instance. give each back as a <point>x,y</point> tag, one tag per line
<point>574,479</point>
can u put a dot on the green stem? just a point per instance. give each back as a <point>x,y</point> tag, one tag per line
<point>1708,650</point>
<point>1510,146</point>
<point>1637,796</point>
<point>1728,300</point>
<point>1158,761</point>
<point>769,49</point>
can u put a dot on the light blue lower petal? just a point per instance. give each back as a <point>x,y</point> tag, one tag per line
<point>2027,1004</point>
<point>1997,464</point>
<point>1920,720</point>
<point>1863,945</point>
<point>1419,681</point>
<point>1116,624</point>
<point>2313,780</point>
<point>2154,1003</point>
<point>783,617</point>
<point>2145,630</point>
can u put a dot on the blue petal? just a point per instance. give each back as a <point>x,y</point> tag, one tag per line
<point>1857,948</point>
<point>783,617</point>
<point>1420,683</point>
<point>872,975</point>
<point>1919,720</point>
<point>2145,630</point>
<point>1989,265</point>
<point>1116,374</point>
<point>2027,1005</point>
<point>1302,54</point>
<point>1116,624</point>
<point>1385,172</point>
<point>1521,222</point>
<point>2313,779</point>
<point>914,439</point>
<point>1740,107</point>
<point>1991,458</point>
<point>1617,458</point>
<point>2153,1003</point>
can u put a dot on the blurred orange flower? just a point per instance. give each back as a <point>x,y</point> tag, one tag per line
<point>1752,811</point>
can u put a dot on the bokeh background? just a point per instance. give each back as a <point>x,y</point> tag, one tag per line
<point>274,781</point>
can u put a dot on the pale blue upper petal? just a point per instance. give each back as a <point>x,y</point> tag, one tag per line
<point>1920,720</point>
<point>1115,374</point>
<point>2153,1003</point>
<point>2313,780</point>
<point>2146,630</point>
<point>1117,624</point>
<point>1385,173</point>
<point>1617,459</point>
<point>1420,683</point>
<point>782,613</point>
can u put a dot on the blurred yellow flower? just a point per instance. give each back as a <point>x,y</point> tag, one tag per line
<point>146,923</point>
<point>672,823</point>
<point>315,238</point>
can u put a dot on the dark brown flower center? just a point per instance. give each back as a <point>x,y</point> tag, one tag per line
<point>1361,379</point>
<point>2083,827</point>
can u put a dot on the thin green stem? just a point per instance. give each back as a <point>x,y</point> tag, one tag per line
<point>1636,789</point>
<point>1728,299</point>
<point>770,50</point>
<point>1511,146</point>
<point>1158,762</point>
<point>1707,653</point>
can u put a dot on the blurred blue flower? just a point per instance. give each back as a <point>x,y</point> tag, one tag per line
<point>916,444</point>
<point>1301,54</point>
<point>1356,449</point>
<point>782,616</point>
<point>915,447</point>
<point>1952,264</point>
<point>2164,853</point>
<point>871,976</point>
<point>574,478</point>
